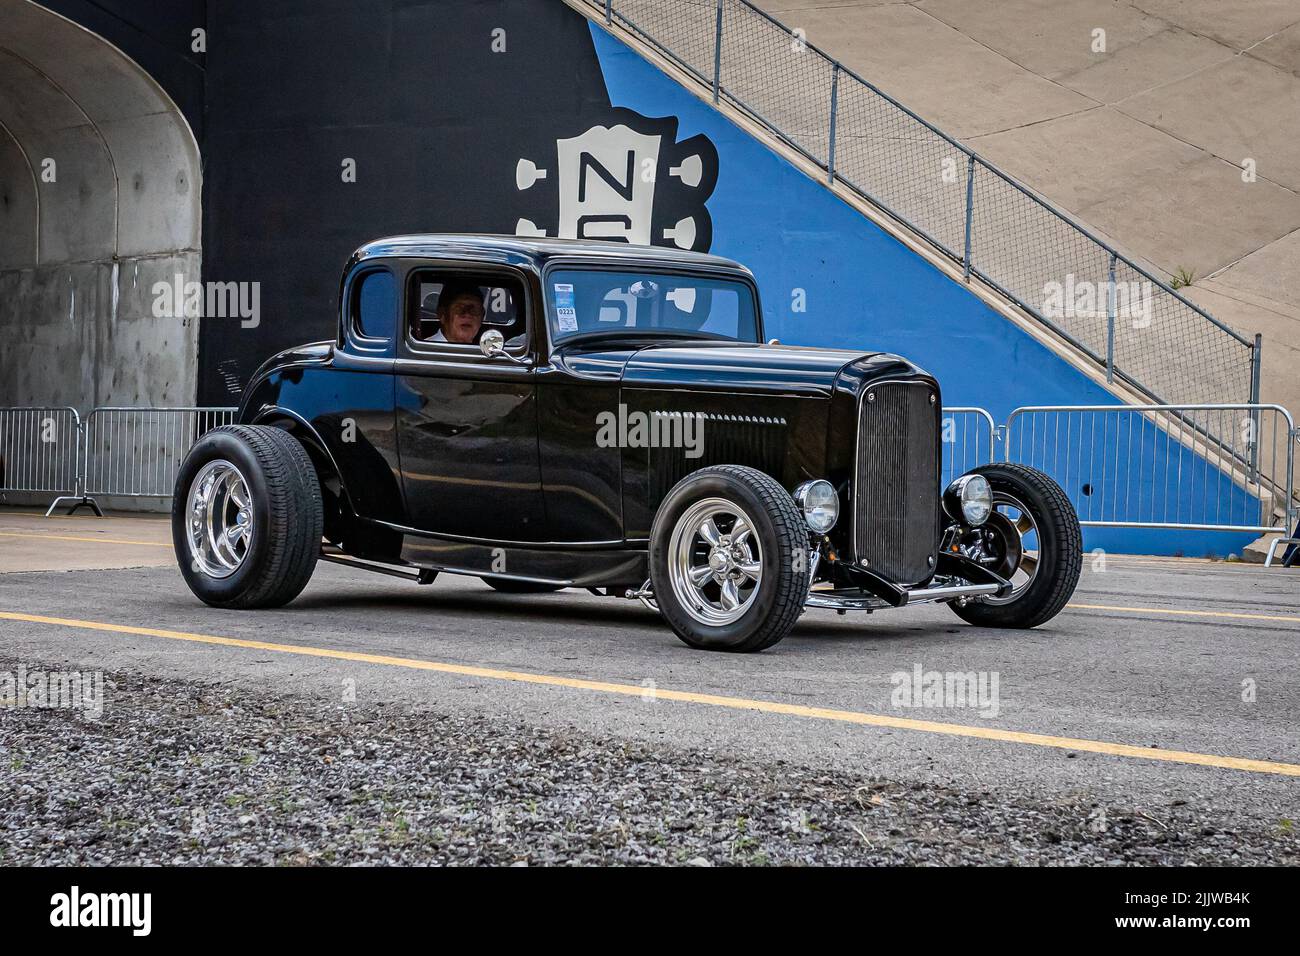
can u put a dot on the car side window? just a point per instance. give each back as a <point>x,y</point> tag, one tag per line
<point>451,310</point>
<point>374,306</point>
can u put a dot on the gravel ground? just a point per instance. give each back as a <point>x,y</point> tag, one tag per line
<point>189,773</point>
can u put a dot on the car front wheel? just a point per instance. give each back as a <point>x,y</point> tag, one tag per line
<point>729,559</point>
<point>247,517</point>
<point>1032,538</point>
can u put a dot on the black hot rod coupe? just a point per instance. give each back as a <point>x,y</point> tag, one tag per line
<point>547,414</point>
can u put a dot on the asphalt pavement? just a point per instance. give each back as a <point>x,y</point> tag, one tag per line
<point>1167,693</point>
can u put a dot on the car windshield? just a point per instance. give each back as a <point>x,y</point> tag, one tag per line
<point>586,301</point>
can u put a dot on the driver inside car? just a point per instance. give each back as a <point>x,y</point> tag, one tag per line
<point>457,314</point>
<point>460,313</point>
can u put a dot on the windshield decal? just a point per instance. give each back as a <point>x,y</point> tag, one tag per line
<point>566,310</point>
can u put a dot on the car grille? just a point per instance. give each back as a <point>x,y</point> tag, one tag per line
<point>896,498</point>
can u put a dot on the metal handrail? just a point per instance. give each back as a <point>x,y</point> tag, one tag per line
<point>614,12</point>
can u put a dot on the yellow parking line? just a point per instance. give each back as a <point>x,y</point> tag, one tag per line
<point>713,700</point>
<point>73,537</point>
<point>134,518</point>
<point>1168,610</point>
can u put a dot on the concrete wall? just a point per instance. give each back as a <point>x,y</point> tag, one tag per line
<point>99,198</point>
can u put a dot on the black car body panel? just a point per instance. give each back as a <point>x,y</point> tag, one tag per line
<point>448,461</point>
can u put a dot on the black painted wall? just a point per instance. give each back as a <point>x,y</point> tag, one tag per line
<point>435,101</point>
<point>413,91</point>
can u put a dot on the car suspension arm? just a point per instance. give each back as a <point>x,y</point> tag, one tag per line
<point>958,565</point>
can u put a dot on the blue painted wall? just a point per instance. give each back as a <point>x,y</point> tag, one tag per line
<point>864,289</point>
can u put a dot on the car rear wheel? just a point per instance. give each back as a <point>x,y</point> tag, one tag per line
<point>247,517</point>
<point>511,586</point>
<point>728,559</point>
<point>1033,539</point>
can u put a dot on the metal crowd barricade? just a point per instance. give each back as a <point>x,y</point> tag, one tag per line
<point>969,438</point>
<point>1216,467</point>
<point>40,452</point>
<point>136,451</point>
<point>1222,467</point>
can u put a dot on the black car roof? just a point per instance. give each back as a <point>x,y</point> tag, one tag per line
<point>489,247</point>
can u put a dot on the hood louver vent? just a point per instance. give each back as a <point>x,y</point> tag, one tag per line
<point>754,440</point>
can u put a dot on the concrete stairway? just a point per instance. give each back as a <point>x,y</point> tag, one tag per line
<point>1175,134</point>
<point>1177,352</point>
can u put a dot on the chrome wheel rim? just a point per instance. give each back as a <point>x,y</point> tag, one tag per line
<point>1026,528</point>
<point>219,519</point>
<point>715,562</point>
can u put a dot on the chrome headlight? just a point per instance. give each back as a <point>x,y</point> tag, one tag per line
<point>969,499</point>
<point>819,503</point>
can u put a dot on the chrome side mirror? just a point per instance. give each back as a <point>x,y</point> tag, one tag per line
<point>492,343</point>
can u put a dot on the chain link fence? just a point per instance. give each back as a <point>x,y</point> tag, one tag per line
<point>1130,323</point>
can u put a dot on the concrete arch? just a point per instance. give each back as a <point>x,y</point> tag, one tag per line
<point>99,199</point>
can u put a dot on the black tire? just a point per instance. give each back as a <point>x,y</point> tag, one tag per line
<point>777,599</point>
<point>511,586</point>
<point>287,517</point>
<point>1060,550</point>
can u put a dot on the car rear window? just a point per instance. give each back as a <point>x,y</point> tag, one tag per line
<point>376,305</point>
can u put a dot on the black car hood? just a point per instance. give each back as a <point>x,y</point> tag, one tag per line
<point>729,365</point>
